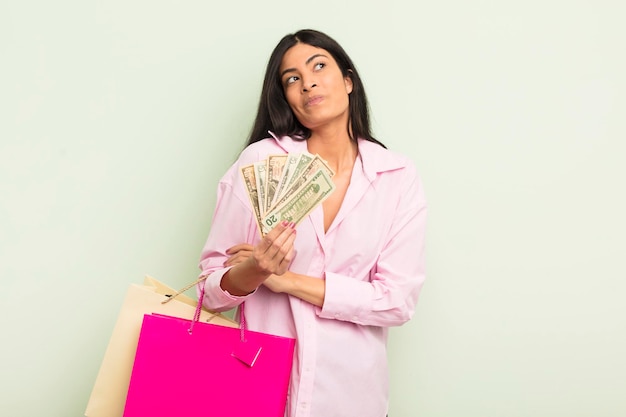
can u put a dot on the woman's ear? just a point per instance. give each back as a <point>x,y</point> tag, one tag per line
<point>348,81</point>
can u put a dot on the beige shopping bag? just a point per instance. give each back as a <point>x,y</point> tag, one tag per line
<point>108,395</point>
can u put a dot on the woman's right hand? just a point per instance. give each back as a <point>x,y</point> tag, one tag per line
<point>252,265</point>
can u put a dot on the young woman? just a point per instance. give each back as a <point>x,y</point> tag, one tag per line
<point>352,268</point>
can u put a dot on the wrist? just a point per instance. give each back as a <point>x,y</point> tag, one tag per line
<point>241,280</point>
<point>290,283</point>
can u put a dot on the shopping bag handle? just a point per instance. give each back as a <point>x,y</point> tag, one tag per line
<point>196,317</point>
<point>170,297</point>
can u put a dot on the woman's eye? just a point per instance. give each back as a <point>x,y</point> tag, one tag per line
<point>319,65</point>
<point>291,80</point>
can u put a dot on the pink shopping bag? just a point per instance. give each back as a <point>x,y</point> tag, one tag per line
<point>187,368</point>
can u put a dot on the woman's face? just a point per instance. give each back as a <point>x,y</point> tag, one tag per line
<point>315,88</point>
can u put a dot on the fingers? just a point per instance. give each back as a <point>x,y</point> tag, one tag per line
<point>238,258</point>
<point>288,256</point>
<point>275,251</point>
<point>272,255</point>
<point>238,254</point>
<point>246,247</point>
<point>277,231</point>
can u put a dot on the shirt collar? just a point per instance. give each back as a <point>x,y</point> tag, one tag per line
<point>289,144</point>
<point>375,158</point>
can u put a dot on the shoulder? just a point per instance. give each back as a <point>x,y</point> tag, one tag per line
<point>260,150</point>
<point>379,160</point>
<point>393,175</point>
<point>271,145</point>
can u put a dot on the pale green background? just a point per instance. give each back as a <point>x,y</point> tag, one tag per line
<point>117,119</point>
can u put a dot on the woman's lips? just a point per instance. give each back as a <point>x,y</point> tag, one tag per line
<point>312,101</point>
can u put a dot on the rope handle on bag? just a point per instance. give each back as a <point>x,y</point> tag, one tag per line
<point>196,317</point>
<point>170,297</point>
<point>243,326</point>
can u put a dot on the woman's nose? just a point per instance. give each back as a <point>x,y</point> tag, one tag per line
<point>308,85</point>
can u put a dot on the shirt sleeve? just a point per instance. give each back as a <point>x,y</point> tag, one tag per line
<point>390,295</point>
<point>232,224</point>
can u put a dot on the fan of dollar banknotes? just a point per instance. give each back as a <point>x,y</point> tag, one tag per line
<point>286,187</point>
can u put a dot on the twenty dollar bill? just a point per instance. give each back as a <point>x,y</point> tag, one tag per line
<point>300,203</point>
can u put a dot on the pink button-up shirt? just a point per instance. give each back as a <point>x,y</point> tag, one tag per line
<point>372,260</point>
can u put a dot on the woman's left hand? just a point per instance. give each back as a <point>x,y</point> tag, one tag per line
<point>278,283</point>
<point>239,253</point>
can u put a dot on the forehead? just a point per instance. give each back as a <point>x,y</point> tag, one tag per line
<point>299,53</point>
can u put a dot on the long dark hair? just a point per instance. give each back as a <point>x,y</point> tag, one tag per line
<point>274,112</point>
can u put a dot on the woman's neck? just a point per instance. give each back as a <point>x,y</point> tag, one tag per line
<point>339,151</point>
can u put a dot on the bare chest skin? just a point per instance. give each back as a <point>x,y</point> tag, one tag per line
<point>333,202</point>
<point>340,154</point>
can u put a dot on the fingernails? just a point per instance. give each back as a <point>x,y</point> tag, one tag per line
<point>292,225</point>
<point>284,223</point>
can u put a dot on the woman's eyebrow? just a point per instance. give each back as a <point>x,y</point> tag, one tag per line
<point>307,62</point>
<point>312,57</point>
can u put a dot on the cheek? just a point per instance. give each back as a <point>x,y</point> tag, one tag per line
<point>292,97</point>
<point>340,86</point>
